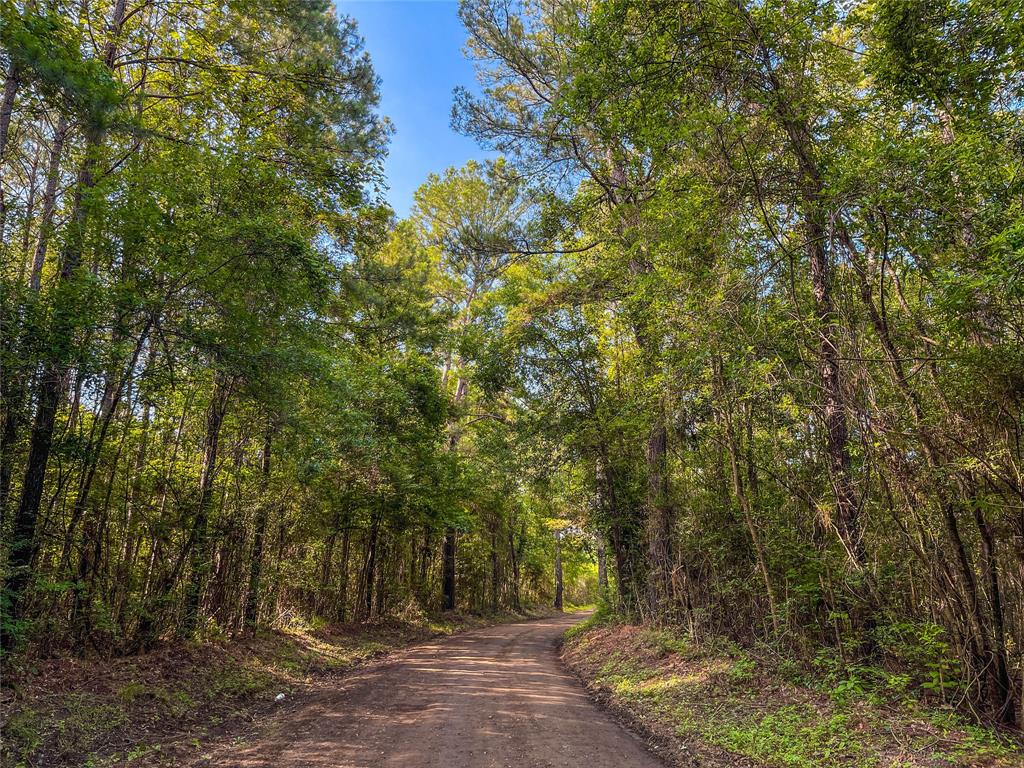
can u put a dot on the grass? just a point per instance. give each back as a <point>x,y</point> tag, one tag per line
<point>164,707</point>
<point>717,702</point>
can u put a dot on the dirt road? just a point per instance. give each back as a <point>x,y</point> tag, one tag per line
<point>489,698</point>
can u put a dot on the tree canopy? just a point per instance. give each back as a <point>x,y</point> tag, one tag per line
<point>740,305</point>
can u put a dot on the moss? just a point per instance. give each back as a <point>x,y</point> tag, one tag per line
<point>84,722</point>
<point>133,690</point>
<point>665,642</point>
<point>176,703</point>
<point>236,682</point>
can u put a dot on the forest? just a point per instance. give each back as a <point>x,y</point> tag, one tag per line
<point>730,329</point>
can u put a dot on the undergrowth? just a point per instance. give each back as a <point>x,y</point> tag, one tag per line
<point>721,702</point>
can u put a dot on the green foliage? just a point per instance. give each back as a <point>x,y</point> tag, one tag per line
<point>48,47</point>
<point>923,650</point>
<point>735,322</point>
<point>776,337</point>
<point>666,641</point>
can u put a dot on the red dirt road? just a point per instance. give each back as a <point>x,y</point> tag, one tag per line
<point>489,698</point>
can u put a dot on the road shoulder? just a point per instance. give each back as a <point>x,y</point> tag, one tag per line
<point>180,701</point>
<point>721,706</point>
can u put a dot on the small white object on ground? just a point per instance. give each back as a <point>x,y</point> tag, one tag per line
<point>279,697</point>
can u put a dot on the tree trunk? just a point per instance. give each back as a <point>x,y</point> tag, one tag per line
<point>514,556</point>
<point>370,565</point>
<point>558,571</point>
<point>660,514</point>
<point>200,543</point>
<point>325,571</point>
<point>625,575</point>
<point>832,402</point>
<point>252,601</point>
<point>11,83</point>
<point>113,391</point>
<point>49,205</point>
<point>346,539</point>
<point>448,550</point>
<point>660,519</point>
<point>494,568</point>
<point>124,579</point>
<point>448,571</point>
<point>54,373</point>
<point>1003,690</point>
<point>743,499</point>
<point>12,392</point>
<point>91,544</point>
<point>30,212</point>
<point>383,560</point>
<point>424,564</point>
<point>23,543</point>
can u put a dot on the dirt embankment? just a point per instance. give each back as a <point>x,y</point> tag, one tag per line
<point>723,706</point>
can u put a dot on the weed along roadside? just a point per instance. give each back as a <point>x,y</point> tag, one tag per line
<point>713,704</point>
<point>167,706</point>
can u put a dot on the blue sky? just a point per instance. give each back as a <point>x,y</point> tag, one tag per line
<point>416,47</point>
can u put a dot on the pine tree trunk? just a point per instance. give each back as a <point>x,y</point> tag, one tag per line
<point>346,540</point>
<point>252,601</point>
<point>12,81</point>
<point>49,205</point>
<point>558,571</point>
<point>424,564</point>
<point>494,569</point>
<point>448,571</point>
<point>513,553</point>
<point>54,374</point>
<point>325,571</point>
<point>200,544</point>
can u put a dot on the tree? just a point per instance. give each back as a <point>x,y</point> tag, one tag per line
<point>784,253</point>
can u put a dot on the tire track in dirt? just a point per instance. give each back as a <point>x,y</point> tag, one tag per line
<point>490,698</point>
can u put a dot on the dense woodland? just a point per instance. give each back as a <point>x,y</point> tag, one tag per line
<point>739,312</point>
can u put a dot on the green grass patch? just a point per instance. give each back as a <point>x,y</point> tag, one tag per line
<point>723,702</point>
